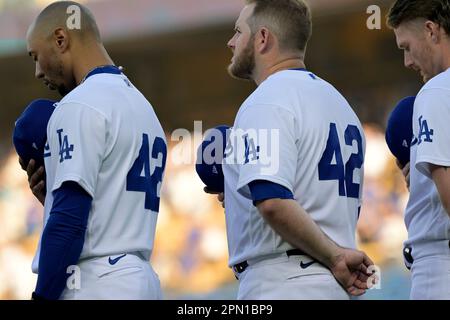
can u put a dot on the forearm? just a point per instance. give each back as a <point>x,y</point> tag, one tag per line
<point>441,178</point>
<point>296,227</point>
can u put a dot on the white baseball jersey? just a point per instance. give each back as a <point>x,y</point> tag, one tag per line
<point>427,221</point>
<point>298,131</point>
<point>105,136</point>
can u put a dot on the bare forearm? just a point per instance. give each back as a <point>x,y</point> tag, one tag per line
<point>441,178</point>
<point>295,226</point>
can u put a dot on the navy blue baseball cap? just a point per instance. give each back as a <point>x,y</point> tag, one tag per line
<point>30,131</point>
<point>209,158</point>
<point>399,131</point>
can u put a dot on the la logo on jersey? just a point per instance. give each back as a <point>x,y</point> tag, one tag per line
<point>64,147</point>
<point>424,131</point>
<point>250,149</point>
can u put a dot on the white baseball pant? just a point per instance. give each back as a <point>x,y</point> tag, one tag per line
<point>283,277</point>
<point>116,277</point>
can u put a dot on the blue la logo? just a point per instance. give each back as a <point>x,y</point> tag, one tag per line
<point>64,148</point>
<point>250,149</point>
<point>424,131</point>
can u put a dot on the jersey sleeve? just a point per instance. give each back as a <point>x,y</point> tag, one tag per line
<point>267,140</point>
<point>77,136</point>
<point>433,134</point>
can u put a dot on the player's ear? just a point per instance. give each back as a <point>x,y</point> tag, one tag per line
<point>263,40</point>
<point>61,39</point>
<point>432,30</point>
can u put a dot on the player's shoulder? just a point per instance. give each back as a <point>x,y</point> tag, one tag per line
<point>75,102</point>
<point>290,78</point>
<point>93,94</point>
<point>77,106</point>
<point>278,90</point>
<point>439,82</point>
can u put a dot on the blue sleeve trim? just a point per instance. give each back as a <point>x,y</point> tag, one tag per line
<point>63,239</point>
<point>264,190</point>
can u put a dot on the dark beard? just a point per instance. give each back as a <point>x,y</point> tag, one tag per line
<point>244,64</point>
<point>62,89</point>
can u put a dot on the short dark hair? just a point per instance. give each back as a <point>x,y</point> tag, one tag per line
<point>437,11</point>
<point>290,21</point>
<point>55,15</point>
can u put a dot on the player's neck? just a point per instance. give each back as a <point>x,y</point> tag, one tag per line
<point>444,53</point>
<point>280,65</point>
<point>97,58</point>
<point>446,62</point>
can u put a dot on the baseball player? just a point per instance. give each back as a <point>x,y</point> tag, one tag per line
<point>104,164</point>
<point>293,166</point>
<point>422,30</point>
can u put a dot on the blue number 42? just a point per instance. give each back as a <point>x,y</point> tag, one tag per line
<point>343,174</point>
<point>149,182</point>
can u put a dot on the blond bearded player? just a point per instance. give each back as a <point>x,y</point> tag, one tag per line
<point>291,231</point>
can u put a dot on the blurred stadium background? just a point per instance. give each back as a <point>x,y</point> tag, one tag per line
<point>175,53</point>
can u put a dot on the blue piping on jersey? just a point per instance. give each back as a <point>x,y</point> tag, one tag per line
<point>304,70</point>
<point>104,69</point>
<point>299,69</point>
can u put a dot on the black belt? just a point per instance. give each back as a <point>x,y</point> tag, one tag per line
<point>240,267</point>
<point>407,254</point>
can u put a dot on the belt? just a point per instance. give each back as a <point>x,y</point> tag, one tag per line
<point>408,258</point>
<point>241,267</point>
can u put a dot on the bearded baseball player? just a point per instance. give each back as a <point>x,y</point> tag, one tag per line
<point>104,165</point>
<point>422,30</point>
<point>291,201</point>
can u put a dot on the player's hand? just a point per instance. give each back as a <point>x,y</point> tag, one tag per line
<point>36,179</point>
<point>220,195</point>
<point>22,163</point>
<point>350,268</point>
<point>405,171</point>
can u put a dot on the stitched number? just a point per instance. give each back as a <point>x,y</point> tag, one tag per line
<point>327,170</point>
<point>141,179</point>
<point>355,161</point>
<point>335,170</point>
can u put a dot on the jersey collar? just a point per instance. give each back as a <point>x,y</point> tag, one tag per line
<point>103,69</point>
<point>299,69</point>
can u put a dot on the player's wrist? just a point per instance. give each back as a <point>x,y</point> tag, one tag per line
<point>333,257</point>
<point>334,260</point>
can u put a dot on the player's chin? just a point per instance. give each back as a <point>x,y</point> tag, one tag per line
<point>237,74</point>
<point>50,86</point>
<point>425,77</point>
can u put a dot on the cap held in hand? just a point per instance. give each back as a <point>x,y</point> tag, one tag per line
<point>30,131</point>
<point>399,131</point>
<point>209,158</point>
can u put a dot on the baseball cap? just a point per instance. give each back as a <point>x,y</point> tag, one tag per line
<point>30,131</point>
<point>399,131</point>
<point>209,158</point>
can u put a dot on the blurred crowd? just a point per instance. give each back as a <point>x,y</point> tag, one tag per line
<point>190,252</point>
